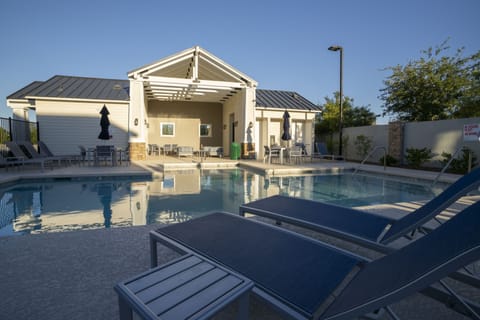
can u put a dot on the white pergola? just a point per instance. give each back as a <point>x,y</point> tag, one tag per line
<point>191,75</point>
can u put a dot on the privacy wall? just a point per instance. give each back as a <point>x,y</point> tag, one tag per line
<point>440,136</point>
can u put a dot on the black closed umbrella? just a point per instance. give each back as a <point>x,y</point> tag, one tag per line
<point>286,127</point>
<point>104,124</point>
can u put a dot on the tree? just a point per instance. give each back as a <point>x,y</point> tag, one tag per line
<point>434,87</point>
<point>328,123</point>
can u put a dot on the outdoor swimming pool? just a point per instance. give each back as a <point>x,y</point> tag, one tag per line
<point>75,204</point>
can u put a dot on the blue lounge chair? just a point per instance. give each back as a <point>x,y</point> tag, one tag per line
<point>20,155</point>
<point>322,152</point>
<point>46,152</point>
<point>308,279</point>
<point>32,153</point>
<point>367,229</point>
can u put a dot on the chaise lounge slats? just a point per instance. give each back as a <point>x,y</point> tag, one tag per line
<point>308,279</point>
<point>360,227</point>
<point>322,216</point>
<point>432,257</point>
<point>285,265</point>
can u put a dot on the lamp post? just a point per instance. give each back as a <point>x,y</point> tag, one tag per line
<point>340,125</point>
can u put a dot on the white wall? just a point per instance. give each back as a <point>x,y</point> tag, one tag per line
<point>440,136</point>
<point>66,124</point>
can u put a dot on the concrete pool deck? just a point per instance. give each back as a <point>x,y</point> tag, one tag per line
<point>71,275</point>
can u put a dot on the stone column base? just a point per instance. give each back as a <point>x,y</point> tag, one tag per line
<point>248,150</point>
<point>137,151</point>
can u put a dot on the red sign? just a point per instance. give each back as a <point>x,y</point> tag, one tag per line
<point>471,132</point>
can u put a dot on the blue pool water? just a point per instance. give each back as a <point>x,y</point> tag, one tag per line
<point>75,204</point>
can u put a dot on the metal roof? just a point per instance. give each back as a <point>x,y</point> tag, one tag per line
<point>79,88</point>
<point>20,94</point>
<point>70,87</point>
<point>284,100</point>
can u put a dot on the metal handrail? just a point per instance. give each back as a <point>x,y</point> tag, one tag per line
<point>370,154</point>
<point>446,166</point>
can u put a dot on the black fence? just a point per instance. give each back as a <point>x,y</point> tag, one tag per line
<point>17,130</point>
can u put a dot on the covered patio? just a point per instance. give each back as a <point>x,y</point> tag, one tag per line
<point>191,98</point>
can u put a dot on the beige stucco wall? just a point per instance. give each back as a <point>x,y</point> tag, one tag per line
<point>271,124</point>
<point>66,124</point>
<point>187,117</point>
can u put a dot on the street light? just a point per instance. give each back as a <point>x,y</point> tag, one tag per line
<point>340,125</point>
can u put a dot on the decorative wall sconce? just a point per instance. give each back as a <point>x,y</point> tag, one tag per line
<point>146,123</point>
<point>250,124</point>
<point>137,205</point>
<point>224,127</point>
<point>135,122</point>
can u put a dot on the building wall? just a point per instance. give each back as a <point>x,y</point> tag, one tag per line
<point>187,117</point>
<point>66,124</point>
<point>271,128</point>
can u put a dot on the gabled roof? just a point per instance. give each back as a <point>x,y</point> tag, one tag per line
<point>193,63</point>
<point>191,75</point>
<point>290,100</point>
<point>69,87</point>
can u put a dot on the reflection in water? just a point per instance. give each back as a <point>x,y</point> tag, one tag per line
<point>53,206</point>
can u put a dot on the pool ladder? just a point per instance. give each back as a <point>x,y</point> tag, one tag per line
<point>448,164</point>
<point>370,154</point>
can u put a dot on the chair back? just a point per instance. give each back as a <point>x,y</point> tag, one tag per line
<point>16,150</point>
<point>322,148</point>
<point>104,151</point>
<point>44,150</point>
<point>432,208</point>
<point>267,150</point>
<point>30,149</point>
<point>414,267</point>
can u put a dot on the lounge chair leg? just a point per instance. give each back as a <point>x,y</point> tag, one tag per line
<point>243,303</point>
<point>460,300</point>
<point>153,253</point>
<point>124,310</point>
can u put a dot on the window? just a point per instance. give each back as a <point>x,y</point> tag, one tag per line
<point>167,129</point>
<point>205,130</point>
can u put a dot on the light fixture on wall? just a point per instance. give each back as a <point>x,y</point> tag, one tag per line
<point>146,123</point>
<point>135,122</point>
<point>250,124</point>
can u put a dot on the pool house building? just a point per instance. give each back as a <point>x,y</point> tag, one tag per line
<point>191,98</point>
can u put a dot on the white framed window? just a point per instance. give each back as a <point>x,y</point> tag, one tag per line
<point>205,130</point>
<point>167,129</point>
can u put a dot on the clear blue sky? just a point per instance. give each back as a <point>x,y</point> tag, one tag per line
<point>281,44</point>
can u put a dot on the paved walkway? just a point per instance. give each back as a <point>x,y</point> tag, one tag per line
<point>71,275</point>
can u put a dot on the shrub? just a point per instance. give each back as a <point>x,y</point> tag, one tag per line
<point>363,144</point>
<point>390,161</point>
<point>417,157</point>
<point>459,165</point>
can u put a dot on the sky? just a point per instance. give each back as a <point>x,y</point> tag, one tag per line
<point>283,45</point>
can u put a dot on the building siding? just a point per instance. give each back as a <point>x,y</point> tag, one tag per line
<point>66,124</point>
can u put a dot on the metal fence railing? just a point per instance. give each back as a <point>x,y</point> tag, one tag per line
<point>17,130</point>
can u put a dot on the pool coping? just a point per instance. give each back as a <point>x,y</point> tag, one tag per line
<point>152,169</point>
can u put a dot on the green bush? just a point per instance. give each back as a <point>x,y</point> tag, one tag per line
<point>390,161</point>
<point>363,144</point>
<point>459,164</point>
<point>417,157</point>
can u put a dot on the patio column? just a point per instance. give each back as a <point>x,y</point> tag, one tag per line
<point>248,144</point>
<point>138,123</point>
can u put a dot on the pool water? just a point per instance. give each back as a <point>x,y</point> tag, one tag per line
<point>76,204</point>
